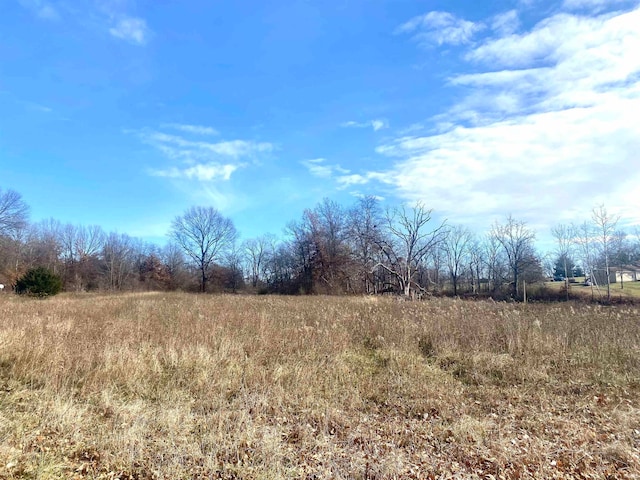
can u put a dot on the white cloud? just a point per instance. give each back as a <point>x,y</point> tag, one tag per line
<point>547,128</point>
<point>319,168</point>
<point>593,5</point>
<point>201,172</point>
<point>375,124</point>
<point>131,29</point>
<point>199,160</point>
<point>378,124</point>
<point>505,23</point>
<point>177,147</point>
<point>348,179</point>
<point>42,9</point>
<point>440,28</point>
<point>358,194</point>
<point>195,129</point>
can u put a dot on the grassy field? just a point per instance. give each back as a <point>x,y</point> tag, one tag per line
<point>619,291</point>
<point>175,386</point>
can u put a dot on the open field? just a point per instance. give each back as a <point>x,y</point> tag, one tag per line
<point>173,386</point>
<point>619,291</point>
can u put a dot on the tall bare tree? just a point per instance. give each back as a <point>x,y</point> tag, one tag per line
<point>364,235</point>
<point>564,237</point>
<point>255,252</point>
<point>80,248</point>
<point>584,243</point>
<point>319,243</point>
<point>14,212</point>
<point>605,224</point>
<point>495,262</point>
<point>409,241</point>
<point>332,250</point>
<point>118,256</point>
<point>517,243</point>
<point>456,248</point>
<point>204,234</point>
<point>233,277</point>
<point>476,262</point>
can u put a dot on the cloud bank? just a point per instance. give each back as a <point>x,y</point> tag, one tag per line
<point>545,126</point>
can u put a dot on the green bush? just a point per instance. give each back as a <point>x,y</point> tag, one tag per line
<point>39,282</point>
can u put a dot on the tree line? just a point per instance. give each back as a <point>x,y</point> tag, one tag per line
<point>331,249</point>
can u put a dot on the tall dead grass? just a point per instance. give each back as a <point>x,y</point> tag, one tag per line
<point>188,386</point>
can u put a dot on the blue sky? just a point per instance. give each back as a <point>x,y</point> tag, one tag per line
<point>124,113</point>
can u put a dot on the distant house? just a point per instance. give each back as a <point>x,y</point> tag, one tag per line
<point>618,274</point>
<point>627,274</point>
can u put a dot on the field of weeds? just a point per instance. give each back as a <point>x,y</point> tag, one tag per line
<point>177,386</point>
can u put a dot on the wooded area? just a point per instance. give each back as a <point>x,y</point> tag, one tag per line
<point>332,249</point>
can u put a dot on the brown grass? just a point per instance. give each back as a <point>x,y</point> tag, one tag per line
<point>182,386</point>
<point>620,292</point>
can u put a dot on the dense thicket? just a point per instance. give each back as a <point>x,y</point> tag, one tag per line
<point>331,249</point>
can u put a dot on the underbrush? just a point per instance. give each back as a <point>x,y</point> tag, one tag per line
<point>190,386</point>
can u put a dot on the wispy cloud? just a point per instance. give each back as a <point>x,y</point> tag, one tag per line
<point>319,167</point>
<point>131,29</point>
<point>505,23</point>
<point>195,129</point>
<point>358,194</point>
<point>201,172</point>
<point>594,5</point>
<point>350,179</point>
<point>376,124</point>
<point>200,160</point>
<point>547,127</point>
<point>42,9</point>
<point>440,28</point>
<point>179,148</point>
<point>344,178</point>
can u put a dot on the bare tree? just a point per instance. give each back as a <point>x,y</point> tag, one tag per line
<point>49,232</point>
<point>621,248</point>
<point>495,262</point>
<point>174,262</point>
<point>517,242</point>
<point>233,277</point>
<point>456,249</point>
<point>14,212</point>
<point>119,262</point>
<point>302,250</point>
<point>330,233</point>
<point>564,235</point>
<point>605,224</point>
<point>281,270</point>
<point>319,244</point>
<point>255,251</point>
<point>476,261</point>
<point>364,235</point>
<point>203,233</point>
<point>80,248</point>
<point>409,242</point>
<point>584,241</point>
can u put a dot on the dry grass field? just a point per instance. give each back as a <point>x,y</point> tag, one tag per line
<point>627,291</point>
<point>179,386</point>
